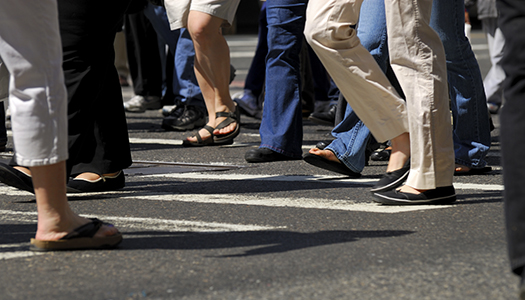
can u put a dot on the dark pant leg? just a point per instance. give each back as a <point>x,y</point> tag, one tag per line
<point>143,55</point>
<point>3,129</point>
<point>512,22</point>
<point>256,75</point>
<point>98,137</point>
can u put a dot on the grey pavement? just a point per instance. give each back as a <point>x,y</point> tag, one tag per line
<point>201,223</point>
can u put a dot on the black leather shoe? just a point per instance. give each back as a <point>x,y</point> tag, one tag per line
<point>266,155</point>
<point>381,155</point>
<point>103,184</point>
<point>393,179</point>
<point>184,117</point>
<point>440,195</point>
<point>12,177</point>
<point>324,118</point>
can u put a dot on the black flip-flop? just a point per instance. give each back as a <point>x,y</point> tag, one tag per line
<point>474,171</point>
<point>329,165</point>
<point>12,177</point>
<point>81,238</point>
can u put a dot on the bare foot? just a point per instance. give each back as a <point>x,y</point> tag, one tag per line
<point>325,154</point>
<point>410,190</point>
<point>53,230</point>
<point>23,170</point>
<point>462,169</point>
<point>93,176</point>
<point>228,129</point>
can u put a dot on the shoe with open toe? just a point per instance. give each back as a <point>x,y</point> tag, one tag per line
<point>81,238</point>
<point>324,163</point>
<point>231,117</point>
<point>200,141</point>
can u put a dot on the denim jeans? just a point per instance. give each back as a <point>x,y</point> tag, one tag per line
<point>471,125</point>
<point>471,142</point>
<point>281,126</point>
<point>185,86</point>
<point>351,134</point>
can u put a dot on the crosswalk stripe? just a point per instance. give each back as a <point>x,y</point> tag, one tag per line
<point>149,223</point>
<point>309,178</point>
<point>325,204</point>
<point>10,251</point>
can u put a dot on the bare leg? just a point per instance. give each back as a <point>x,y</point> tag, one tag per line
<point>400,152</point>
<point>212,67</point>
<point>55,217</point>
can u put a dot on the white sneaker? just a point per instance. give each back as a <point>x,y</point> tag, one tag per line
<point>247,102</point>
<point>141,104</point>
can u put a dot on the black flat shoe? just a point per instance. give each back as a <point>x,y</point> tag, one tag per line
<point>103,184</point>
<point>393,179</point>
<point>12,177</point>
<point>265,155</point>
<point>440,195</point>
<point>329,165</point>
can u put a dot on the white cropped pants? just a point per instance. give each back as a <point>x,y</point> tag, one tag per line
<point>31,50</point>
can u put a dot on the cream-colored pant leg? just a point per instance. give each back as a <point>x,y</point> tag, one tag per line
<point>31,50</point>
<point>353,68</point>
<point>418,60</point>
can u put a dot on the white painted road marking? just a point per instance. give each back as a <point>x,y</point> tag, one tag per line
<point>231,199</point>
<point>309,178</point>
<point>10,251</point>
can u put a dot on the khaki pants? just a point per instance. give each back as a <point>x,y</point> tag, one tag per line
<point>418,59</point>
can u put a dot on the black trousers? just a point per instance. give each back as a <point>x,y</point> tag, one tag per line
<point>142,45</point>
<point>512,22</point>
<point>98,136</point>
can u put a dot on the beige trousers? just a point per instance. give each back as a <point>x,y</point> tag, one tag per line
<point>418,59</point>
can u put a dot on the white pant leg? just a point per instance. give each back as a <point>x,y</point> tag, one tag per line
<point>31,50</point>
<point>493,82</point>
<point>353,68</point>
<point>418,60</point>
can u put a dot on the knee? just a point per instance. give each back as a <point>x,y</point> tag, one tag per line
<point>336,36</point>
<point>201,32</point>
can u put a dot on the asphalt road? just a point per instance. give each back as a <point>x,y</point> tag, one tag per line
<point>201,223</point>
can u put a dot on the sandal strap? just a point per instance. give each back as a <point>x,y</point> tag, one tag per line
<point>209,129</point>
<point>229,114</point>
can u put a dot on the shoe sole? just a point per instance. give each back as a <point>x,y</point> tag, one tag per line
<point>395,201</point>
<point>323,163</point>
<point>84,243</point>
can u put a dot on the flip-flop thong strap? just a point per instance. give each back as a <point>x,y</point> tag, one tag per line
<point>86,230</point>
